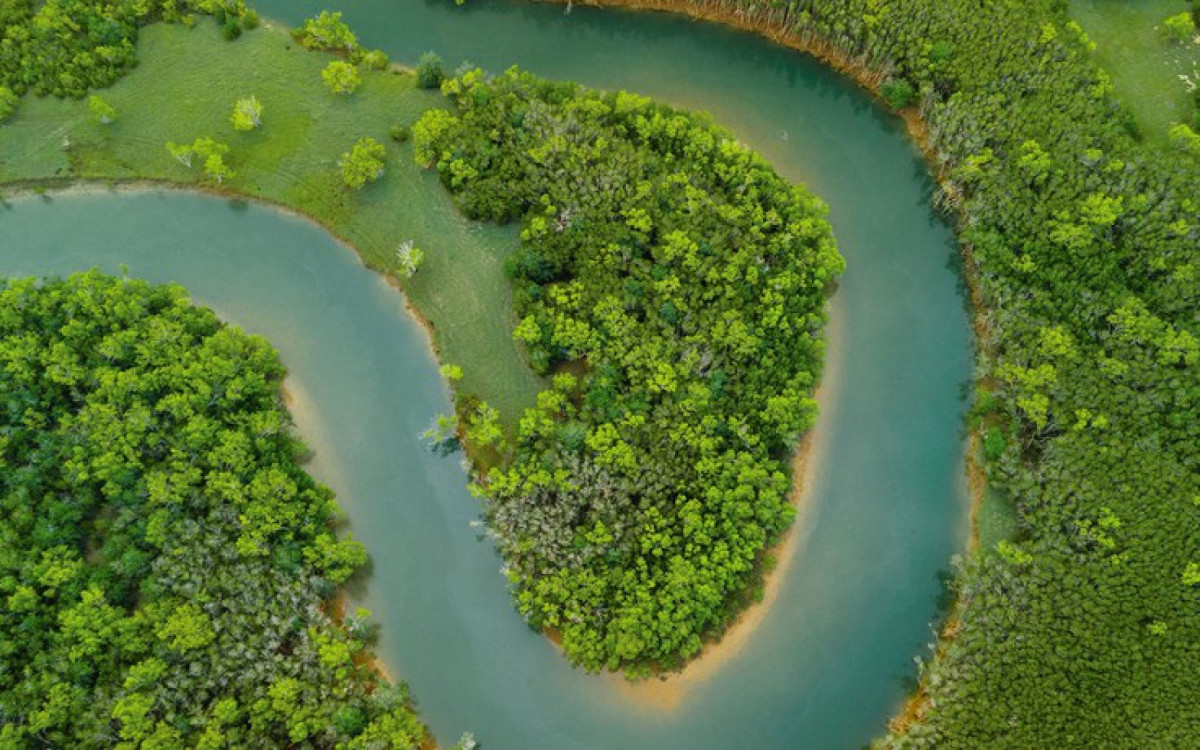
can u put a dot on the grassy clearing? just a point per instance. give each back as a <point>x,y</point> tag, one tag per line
<point>1144,67</point>
<point>186,87</point>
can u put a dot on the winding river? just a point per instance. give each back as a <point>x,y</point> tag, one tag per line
<point>832,657</point>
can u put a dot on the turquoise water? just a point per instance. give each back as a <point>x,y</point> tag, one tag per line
<point>834,655</point>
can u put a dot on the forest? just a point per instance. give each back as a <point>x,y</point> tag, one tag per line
<point>674,288</point>
<point>1086,249</point>
<point>168,569</point>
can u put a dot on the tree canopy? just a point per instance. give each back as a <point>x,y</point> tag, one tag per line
<point>166,566</point>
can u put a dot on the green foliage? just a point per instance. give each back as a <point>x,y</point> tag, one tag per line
<point>375,59</point>
<point>363,164</point>
<point>8,102</point>
<point>247,114</point>
<point>211,155</point>
<point>1185,139</point>
<point>899,93</point>
<point>341,77</point>
<point>1180,28</point>
<point>102,110</point>
<point>410,257</point>
<point>164,560</point>
<point>673,286</point>
<point>429,71</point>
<point>231,30</point>
<point>326,32</point>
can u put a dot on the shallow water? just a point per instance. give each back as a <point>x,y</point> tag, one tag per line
<point>833,657</point>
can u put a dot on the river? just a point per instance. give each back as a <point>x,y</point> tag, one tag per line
<point>833,656</point>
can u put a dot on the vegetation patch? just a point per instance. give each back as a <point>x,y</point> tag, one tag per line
<point>165,563</point>
<point>674,286</point>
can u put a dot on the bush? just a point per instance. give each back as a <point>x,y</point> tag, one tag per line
<point>231,30</point>
<point>341,77</point>
<point>102,110</point>
<point>250,19</point>
<point>326,32</point>
<point>362,164</point>
<point>8,102</point>
<point>1179,28</point>
<point>247,114</point>
<point>899,93</point>
<point>400,133</point>
<point>375,59</point>
<point>429,71</point>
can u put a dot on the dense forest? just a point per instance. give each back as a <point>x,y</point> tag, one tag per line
<point>167,569</point>
<point>1086,246</point>
<point>674,287</point>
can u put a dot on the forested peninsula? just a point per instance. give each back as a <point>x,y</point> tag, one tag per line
<point>167,567</point>
<point>674,286</point>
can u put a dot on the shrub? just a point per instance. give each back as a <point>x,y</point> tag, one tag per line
<point>1179,28</point>
<point>326,32</point>
<point>231,30</point>
<point>899,93</point>
<point>8,102</point>
<point>363,163</point>
<point>375,59</point>
<point>247,114</point>
<point>102,110</point>
<point>429,71</point>
<point>400,133</point>
<point>341,77</point>
<point>1185,139</point>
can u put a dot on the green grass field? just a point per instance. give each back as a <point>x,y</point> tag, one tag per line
<point>1144,67</point>
<point>186,87</point>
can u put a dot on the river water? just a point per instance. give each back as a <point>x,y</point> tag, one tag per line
<point>833,657</point>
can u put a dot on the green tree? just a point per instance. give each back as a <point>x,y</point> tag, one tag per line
<point>101,110</point>
<point>410,257</point>
<point>1180,28</point>
<point>429,71</point>
<point>363,163</point>
<point>326,32</point>
<point>341,77</point>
